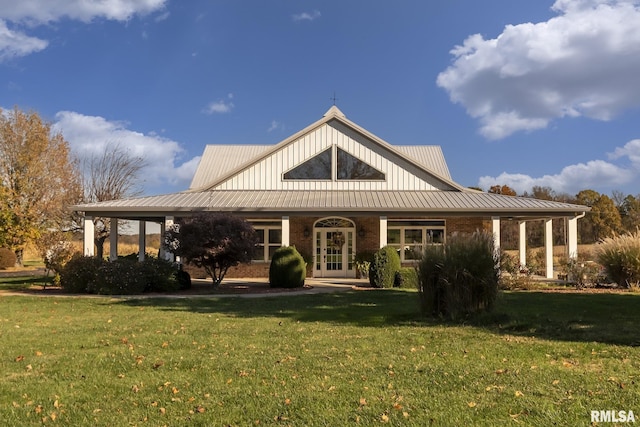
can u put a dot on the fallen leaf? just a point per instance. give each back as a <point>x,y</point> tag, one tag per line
<point>199,409</point>
<point>555,382</point>
<point>363,401</point>
<point>163,411</point>
<point>471,404</point>
<point>19,358</point>
<point>38,353</point>
<point>384,418</point>
<point>518,394</point>
<point>287,401</point>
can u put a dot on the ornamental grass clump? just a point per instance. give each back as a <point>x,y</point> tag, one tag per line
<point>460,277</point>
<point>620,257</point>
<point>288,268</point>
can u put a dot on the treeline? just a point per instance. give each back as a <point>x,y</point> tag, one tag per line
<point>609,216</point>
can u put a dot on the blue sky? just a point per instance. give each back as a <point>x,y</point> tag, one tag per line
<point>516,92</point>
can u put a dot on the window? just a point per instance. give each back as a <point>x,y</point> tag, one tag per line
<point>269,239</point>
<point>352,168</point>
<point>410,237</point>
<point>318,167</point>
<point>348,167</point>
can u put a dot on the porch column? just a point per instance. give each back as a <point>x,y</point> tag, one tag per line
<point>383,231</point>
<point>113,240</point>
<point>142,239</point>
<point>89,229</point>
<point>522,243</point>
<point>548,247</point>
<point>572,237</point>
<point>286,237</point>
<point>495,228</point>
<point>163,253</point>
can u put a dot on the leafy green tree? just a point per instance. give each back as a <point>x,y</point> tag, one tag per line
<point>603,220</point>
<point>213,241</point>
<point>629,210</point>
<point>39,179</point>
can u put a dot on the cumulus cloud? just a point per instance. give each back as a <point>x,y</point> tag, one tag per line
<point>90,135</point>
<point>584,62</point>
<point>14,44</point>
<point>306,16</point>
<point>594,174</point>
<point>220,106</point>
<point>26,14</point>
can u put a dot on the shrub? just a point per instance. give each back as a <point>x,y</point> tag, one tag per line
<point>7,258</point>
<point>459,277</point>
<point>120,277</point>
<point>385,264</point>
<point>159,275</point>
<point>620,257</point>
<point>287,269</point>
<point>183,278</point>
<point>78,275</point>
<point>409,278</point>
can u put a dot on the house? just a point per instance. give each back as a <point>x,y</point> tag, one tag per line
<point>334,190</point>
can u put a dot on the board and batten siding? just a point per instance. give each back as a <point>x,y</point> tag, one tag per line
<point>267,173</point>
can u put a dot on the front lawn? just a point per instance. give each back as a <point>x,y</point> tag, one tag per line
<point>360,357</point>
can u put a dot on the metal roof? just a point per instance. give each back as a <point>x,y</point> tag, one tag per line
<point>466,203</point>
<point>219,160</point>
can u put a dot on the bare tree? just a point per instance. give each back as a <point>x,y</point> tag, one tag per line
<point>110,175</point>
<point>39,179</point>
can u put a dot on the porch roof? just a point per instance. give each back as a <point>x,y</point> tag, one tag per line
<point>432,203</point>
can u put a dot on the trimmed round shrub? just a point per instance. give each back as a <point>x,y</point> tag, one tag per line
<point>78,275</point>
<point>7,258</point>
<point>383,268</point>
<point>287,269</point>
<point>183,278</point>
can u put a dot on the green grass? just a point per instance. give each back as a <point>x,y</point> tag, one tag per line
<point>353,358</point>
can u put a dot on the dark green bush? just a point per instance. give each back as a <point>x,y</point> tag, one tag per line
<point>7,258</point>
<point>120,277</point>
<point>460,277</point>
<point>79,273</point>
<point>159,275</point>
<point>383,268</point>
<point>409,277</point>
<point>125,276</point>
<point>183,278</point>
<point>287,269</point>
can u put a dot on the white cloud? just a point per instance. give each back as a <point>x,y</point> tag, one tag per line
<point>45,11</point>
<point>30,13</point>
<point>14,44</point>
<point>306,16</point>
<point>88,135</point>
<point>275,125</point>
<point>583,62</point>
<point>594,174</point>
<point>220,106</point>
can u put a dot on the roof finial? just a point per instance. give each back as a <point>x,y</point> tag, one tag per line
<point>334,99</point>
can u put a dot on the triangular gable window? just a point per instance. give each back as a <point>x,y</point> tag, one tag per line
<point>352,168</point>
<point>318,167</point>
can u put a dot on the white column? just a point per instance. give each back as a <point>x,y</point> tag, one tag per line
<point>142,240</point>
<point>383,231</point>
<point>548,247</point>
<point>522,242</point>
<point>89,229</point>
<point>572,237</point>
<point>164,254</point>
<point>495,228</point>
<point>113,239</point>
<point>286,236</point>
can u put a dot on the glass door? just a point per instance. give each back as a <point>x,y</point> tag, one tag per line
<point>334,253</point>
